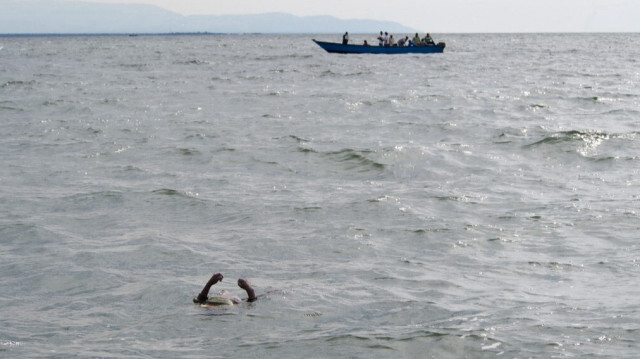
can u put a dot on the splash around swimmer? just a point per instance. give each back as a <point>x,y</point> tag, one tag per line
<point>224,298</point>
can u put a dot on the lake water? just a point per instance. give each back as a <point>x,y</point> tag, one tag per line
<point>480,203</point>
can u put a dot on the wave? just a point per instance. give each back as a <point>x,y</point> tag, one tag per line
<point>171,192</point>
<point>626,111</point>
<point>345,162</point>
<point>585,143</point>
<point>139,67</point>
<point>589,144</point>
<point>298,139</point>
<point>353,160</point>
<point>18,83</point>
<point>4,106</point>
<point>191,62</point>
<point>571,136</point>
<point>331,73</point>
<point>554,265</point>
<point>188,152</point>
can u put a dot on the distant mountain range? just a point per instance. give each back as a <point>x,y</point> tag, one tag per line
<point>65,17</point>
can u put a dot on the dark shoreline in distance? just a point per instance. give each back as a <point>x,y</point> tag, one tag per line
<point>120,34</point>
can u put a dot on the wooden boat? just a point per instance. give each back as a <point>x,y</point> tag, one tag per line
<point>364,49</point>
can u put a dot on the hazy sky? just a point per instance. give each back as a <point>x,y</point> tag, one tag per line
<point>439,15</point>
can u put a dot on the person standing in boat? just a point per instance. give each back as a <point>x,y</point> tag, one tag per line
<point>381,39</point>
<point>345,38</point>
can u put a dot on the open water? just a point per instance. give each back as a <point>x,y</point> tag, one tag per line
<point>480,203</point>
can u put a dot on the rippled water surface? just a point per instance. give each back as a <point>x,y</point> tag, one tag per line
<point>478,203</point>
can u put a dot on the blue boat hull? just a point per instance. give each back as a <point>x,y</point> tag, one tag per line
<point>361,49</point>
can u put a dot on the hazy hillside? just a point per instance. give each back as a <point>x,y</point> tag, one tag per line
<point>46,16</point>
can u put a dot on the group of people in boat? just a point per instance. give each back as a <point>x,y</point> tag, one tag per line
<point>386,39</point>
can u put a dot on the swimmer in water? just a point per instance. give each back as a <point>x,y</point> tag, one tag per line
<point>224,298</point>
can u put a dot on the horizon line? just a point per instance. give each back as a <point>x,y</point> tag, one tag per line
<point>208,33</point>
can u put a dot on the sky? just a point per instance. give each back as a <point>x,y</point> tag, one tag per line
<point>439,15</point>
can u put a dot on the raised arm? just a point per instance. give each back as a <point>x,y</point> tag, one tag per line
<point>204,294</point>
<point>246,286</point>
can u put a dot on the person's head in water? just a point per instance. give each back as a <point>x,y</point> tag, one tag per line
<point>224,298</point>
